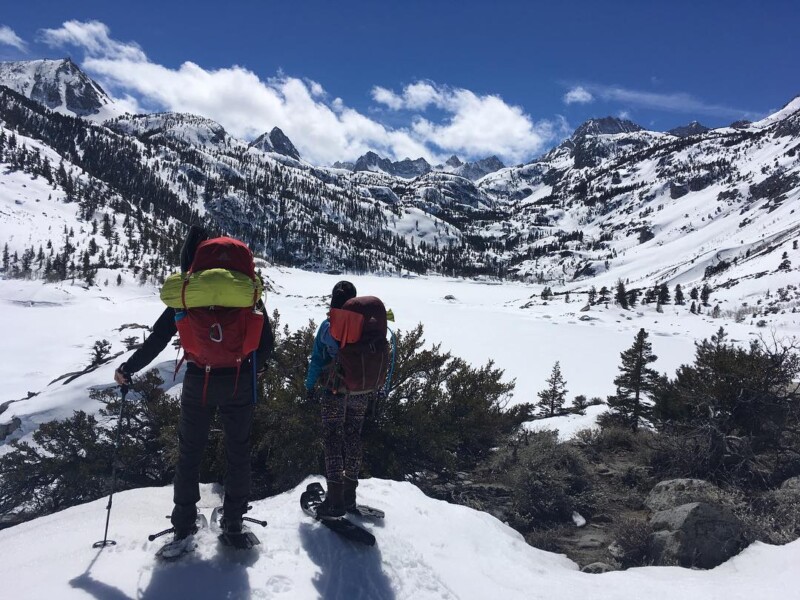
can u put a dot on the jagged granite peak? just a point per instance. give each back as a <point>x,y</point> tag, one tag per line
<point>276,141</point>
<point>481,168</point>
<point>344,164</point>
<point>693,128</point>
<point>606,126</point>
<point>406,168</point>
<point>57,84</point>
<point>453,161</point>
<point>282,143</point>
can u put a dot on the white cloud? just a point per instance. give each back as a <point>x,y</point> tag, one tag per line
<point>94,37</point>
<point>323,130</point>
<point>578,95</point>
<point>474,125</point>
<point>679,102</point>
<point>8,37</point>
<point>387,97</point>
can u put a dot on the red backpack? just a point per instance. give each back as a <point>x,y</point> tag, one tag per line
<point>363,359</point>
<point>217,336</point>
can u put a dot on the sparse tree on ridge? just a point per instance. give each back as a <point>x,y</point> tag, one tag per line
<point>552,398</point>
<point>635,381</point>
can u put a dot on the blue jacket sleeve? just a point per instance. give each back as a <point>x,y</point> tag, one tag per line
<point>325,350</point>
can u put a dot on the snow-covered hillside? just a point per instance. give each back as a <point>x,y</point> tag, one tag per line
<point>614,201</point>
<point>426,549</point>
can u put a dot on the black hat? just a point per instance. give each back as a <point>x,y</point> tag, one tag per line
<point>196,235</point>
<point>342,292</point>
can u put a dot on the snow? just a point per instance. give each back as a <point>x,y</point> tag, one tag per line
<point>426,549</point>
<point>482,321</point>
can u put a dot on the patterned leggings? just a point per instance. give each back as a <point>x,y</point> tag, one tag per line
<point>342,419</point>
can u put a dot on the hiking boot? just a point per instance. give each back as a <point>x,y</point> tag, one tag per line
<point>231,525</point>
<point>183,533</point>
<point>349,496</point>
<point>333,505</point>
<point>184,520</point>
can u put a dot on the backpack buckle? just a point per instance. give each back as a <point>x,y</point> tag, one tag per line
<point>215,333</point>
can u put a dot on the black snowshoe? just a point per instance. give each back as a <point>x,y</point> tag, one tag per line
<point>233,532</point>
<point>315,496</point>
<point>180,544</point>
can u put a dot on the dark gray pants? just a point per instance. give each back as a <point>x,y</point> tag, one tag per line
<point>236,415</point>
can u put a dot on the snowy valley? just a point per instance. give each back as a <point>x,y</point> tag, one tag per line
<point>563,259</point>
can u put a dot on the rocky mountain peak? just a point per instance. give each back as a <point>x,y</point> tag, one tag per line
<point>406,168</point>
<point>693,128</point>
<point>276,141</point>
<point>453,161</point>
<point>282,144</point>
<point>606,126</point>
<point>57,84</point>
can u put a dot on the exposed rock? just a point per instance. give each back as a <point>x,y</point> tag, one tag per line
<point>693,128</point>
<point>282,144</point>
<point>7,429</point>
<point>598,567</point>
<point>675,492</point>
<point>695,535</point>
<point>792,484</point>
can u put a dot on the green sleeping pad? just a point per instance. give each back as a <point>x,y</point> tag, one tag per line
<point>212,287</point>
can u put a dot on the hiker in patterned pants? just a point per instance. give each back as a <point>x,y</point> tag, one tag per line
<point>342,420</point>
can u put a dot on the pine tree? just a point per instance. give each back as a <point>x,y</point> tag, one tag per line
<point>679,297</point>
<point>705,294</point>
<point>621,296</point>
<point>635,381</point>
<point>663,294</point>
<point>552,398</point>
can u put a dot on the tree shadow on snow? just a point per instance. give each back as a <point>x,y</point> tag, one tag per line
<point>349,571</point>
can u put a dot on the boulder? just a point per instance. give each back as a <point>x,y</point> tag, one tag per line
<point>598,567</point>
<point>697,534</point>
<point>675,492</point>
<point>791,485</point>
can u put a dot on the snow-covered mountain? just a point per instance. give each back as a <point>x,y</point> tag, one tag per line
<point>276,141</point>
<point>57,84</point>
<point>613,201</point>
<point>471,170</point>
<point>410,169</point>
<point>693,128</point>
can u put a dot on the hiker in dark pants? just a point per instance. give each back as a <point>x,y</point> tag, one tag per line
<point>342,417</point>
<point>227,390</point>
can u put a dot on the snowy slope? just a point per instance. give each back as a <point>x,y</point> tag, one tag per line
<point>426,549</point>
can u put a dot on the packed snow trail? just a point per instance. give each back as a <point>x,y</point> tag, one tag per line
<point>427,549</point>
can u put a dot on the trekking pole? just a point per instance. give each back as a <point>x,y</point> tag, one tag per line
<point>105,541</point>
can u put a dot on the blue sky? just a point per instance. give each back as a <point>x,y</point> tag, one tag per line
<point>425,78</point>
